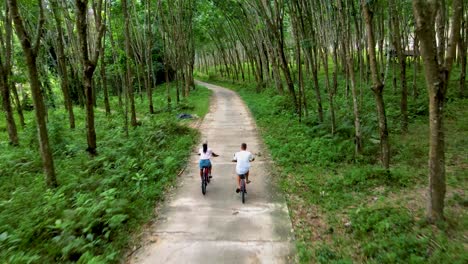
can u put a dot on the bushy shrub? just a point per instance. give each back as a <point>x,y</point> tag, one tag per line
<point>392,240</point>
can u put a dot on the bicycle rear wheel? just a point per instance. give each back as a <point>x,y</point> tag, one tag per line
<point>243,190</point>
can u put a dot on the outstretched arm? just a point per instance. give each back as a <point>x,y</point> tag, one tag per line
<point>215,155</point>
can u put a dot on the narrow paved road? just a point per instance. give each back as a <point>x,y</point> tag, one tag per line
<point>217,227</point>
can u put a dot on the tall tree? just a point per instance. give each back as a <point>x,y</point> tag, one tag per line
<point>273,14</point>
<point>377,86</point>
<point>149,55</point>
<point>437,73</point>
<point>89,61</point>
<point>346,38</point>
<point>104,77</point>
<point>463,45</point>
<point>62,67</point>
<point>128,60</point>
<point>31,49</point>
<point>397,43</point>
<point>5,72</point>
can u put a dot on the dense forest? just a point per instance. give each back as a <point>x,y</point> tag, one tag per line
<point>362,104</point>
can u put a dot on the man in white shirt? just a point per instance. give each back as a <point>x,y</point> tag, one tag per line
<point>243,159</point>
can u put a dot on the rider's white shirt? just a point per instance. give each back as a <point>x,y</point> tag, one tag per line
<point>207,155</point>
<point>243,159</point>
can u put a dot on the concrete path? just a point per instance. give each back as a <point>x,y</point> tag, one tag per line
<point>217,227</point>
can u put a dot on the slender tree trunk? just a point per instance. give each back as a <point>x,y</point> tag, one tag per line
<point>168,90</point>
<point>314,66</point>
<point>349,60</point>
<point>5,89</point>
<point>89,65</point>
<point>89,105</point>
<point>463,43</point>
<point>240,64</point>
<point>129,82</point>
<point>62,65</point>
<point>402,62</point>
<point>19,107</point>
<point>416,67</point>
<point>5,70</point>
<point>275,70</point>
<point>377,88</point>
<point>299,69</point>
<point>440,33</point>
<point>149,60</point>
<point>437,78</point>
<point>287,75</point>
<point>119,78</point>
<point>104,81</point>
<point>30,50</point>
<point>87,75</point>
<point>329,90</point>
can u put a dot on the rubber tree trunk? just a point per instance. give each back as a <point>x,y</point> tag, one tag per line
<point>287,74</point>
<point>104,82</point>
<point>437,75</point>
<point>89,62</point>
<point>377,88</point>
<point>5,89</point>
<point>30,50</point>
<point>402,63</point>
<point>89,105</point>
<point>314,66</point>
<point>350,67</point>
<point>5,70</point>
<point>149,61</point>
<point>19,107</point>
<point>330,91</point>
<point>463,54</point>
<point>129,83</point>
<point>416,67</point>
<point>64,83</point>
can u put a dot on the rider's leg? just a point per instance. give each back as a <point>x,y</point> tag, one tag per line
<point>209,171</point>
<point>201,173</point>
<point>247,177</point>
<point>238,184</point>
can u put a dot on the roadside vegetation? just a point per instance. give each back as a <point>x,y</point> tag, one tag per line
<point>100,202</point>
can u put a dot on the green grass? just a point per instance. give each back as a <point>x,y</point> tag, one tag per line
<point>347,209</point>
<point>101,202</point>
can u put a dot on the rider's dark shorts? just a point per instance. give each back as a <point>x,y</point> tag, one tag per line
<point>242,176</point>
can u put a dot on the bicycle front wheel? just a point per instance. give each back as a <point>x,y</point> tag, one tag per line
<point>203,187</point>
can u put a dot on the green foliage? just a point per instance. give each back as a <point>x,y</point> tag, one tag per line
<point>100,201</point>
<point>392,239</point>
<point>360,178</point>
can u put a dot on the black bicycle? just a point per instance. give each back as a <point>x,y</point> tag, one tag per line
<point>205,179</point>
<point>243,189</point>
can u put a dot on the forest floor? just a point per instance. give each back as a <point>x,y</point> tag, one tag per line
<point>347,209</point>
<point>217,227</point>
